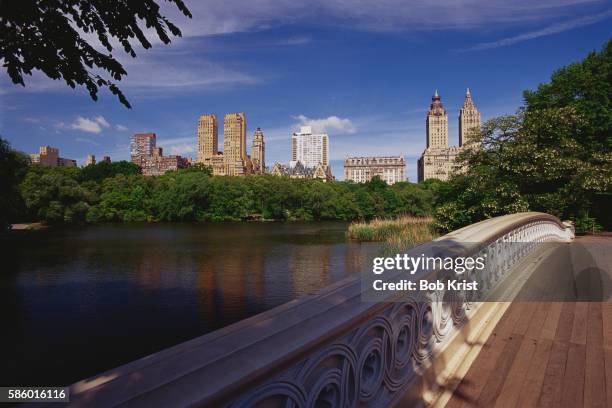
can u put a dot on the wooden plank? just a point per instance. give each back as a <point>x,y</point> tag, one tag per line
<point>496,379</point>
<point>472,384</point>
<point>552,321</point>
<point>573,379</point>
<point>579,329</point>
<point>536,323</point>
<point>566,321</point>
<point>608,362</point>
<point>532,385</point>
<point>594,375</point>
<point>606,315</point>
<point>523,323</point>
<point>512,386</point>
<point>550,395</point>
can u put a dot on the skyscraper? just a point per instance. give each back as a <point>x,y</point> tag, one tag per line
<point>208,138</point>
<point>469,119</point>
<point>142,145</point>
<point>150,158</point>
<point>234,143</point>
<point>436,123</point>
<point>309,148</point>
<point>258,152</point>
<point>439,160</point>
<point>91,160</point>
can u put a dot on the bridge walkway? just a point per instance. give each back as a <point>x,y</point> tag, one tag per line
<point>544,354</point>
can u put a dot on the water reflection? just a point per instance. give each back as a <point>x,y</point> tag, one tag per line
<point>77,302</point>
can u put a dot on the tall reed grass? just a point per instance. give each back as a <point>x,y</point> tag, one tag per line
<point>400,233</point>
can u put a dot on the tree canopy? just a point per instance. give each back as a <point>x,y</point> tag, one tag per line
<point>50,36</point>
<point>118,192</point>
<point>554,156</point>
<point>13,167</point>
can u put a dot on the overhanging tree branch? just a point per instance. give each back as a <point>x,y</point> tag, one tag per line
<point>46,36</point>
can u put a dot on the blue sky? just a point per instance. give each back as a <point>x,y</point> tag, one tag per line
<point>362,71</point>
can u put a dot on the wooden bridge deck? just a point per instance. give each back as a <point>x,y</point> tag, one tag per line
<point>543,354</point>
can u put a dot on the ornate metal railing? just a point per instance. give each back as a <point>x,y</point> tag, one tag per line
<point>330,349</point>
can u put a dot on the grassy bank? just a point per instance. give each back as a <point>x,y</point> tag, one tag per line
<point>400,233</point>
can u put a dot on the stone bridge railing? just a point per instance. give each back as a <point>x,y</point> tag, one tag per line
<point>330,349</point>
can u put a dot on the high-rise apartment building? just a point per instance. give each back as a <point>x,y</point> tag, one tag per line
<point>234,143</point>
<point>436,124</point>
<point>469,119</point>
<point>391,169</point>
<point>208,138</point>
<point>150,158</point>
<point>309,148</point>
<point>439,160</point>
<point>258,152</point>
<point>91,160</point>
<point>142,144</point>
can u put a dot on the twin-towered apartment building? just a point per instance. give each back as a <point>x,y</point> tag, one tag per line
<point>439,160</point>
<point>234,160</point>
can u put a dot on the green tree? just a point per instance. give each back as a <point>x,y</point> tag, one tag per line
<point>53,195</point>
<point>124,198</point>
<point>13,166</point>
<point>554,156</point>
<point>99,171</point>
<point>50,36</point>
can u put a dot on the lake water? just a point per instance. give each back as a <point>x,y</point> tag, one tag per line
<point>77,302</point>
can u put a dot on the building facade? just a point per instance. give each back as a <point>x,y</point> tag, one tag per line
<point>49,156</point>
<point>91,160</point>
<point>143,144</point>
<point>309,148</point>
<point>439,160</point>
<point>156,165</point>
<point>150,158</point>
<point>234,143</point>
<point>258,152</point>
<point>436,124</point>
<point>299,171</point>
<point>469,119</point>
<point>438,163</point>
<point>391,169</point>
<point>208,138</point>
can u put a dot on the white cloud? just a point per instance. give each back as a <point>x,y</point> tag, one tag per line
<point>121,128</point>
<point>148,75</point>
<point>180,146</point>
<point>229,16</point>
<point>94,125</point>
<point>101,121</point>
<point>331,124</point>
<point>550,30</point>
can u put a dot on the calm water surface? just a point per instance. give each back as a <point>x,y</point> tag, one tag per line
<point>74,303</point>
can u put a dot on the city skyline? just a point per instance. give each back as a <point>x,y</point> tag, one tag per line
<point>287,74</point>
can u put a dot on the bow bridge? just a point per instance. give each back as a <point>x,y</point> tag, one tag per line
<point>333,349</point>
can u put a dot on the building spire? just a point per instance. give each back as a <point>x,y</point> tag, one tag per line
<point>436,93</point>
<point>467,93</point>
